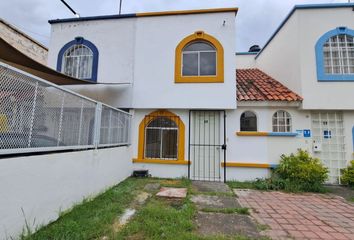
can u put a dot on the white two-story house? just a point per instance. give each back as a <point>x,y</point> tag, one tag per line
<point>199,111</point>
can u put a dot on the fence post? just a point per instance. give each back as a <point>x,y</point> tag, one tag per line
<point>32,114</point>
<point>61,118</point>
<point>97,131</point>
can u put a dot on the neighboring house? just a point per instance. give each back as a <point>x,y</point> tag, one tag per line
<point>22,42</point>
<point>175,71</point>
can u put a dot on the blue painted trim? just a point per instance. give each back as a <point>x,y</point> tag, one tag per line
<point>273,165</point>
<point>246,53</point>
<point>321,75</point>
<point>304,6</point>
<point>353,137</point>
<point>81,40</point>
<point>93,18</point>
<point>282,134</point>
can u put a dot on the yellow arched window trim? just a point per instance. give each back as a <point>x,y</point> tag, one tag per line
<point>180,141</point>
<point>202,36</point>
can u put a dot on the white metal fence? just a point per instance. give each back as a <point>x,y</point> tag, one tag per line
<point>36,115</point>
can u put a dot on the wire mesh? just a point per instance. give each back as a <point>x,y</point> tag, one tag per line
<point>36,115</point>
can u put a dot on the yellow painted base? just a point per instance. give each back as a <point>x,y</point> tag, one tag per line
<point>160,161</point>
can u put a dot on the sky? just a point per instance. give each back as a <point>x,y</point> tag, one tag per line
<point>255,21</point>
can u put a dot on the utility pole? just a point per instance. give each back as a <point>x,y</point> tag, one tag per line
<point>120,6</point>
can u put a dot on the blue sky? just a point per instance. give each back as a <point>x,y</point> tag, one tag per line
<point>255,22</point>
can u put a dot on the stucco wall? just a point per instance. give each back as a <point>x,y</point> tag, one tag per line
<point>245,61</point>
<point>23,42</point>
<point>44,185</point>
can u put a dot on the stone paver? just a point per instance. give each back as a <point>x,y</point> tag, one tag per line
<point>300,216</point>
<point>217,187</point>
<point>205,201</point>
<point>168,192</point>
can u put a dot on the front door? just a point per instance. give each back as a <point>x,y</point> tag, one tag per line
<point>206,145</point>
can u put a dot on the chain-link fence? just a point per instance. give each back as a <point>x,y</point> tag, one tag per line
<point>36,115</point>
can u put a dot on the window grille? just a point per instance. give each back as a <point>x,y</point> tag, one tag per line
<point>37,115</point>
<point>199,59</point>
<point>78,62</point>
<point>338,54</point>
<point>281,121</point>
<point>161,137</point>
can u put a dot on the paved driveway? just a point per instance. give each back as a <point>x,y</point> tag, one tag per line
<point>300,216</point>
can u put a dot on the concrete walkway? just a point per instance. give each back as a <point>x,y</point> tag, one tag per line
<point>300,216</point>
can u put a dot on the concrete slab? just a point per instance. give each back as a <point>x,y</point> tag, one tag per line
<point>218,187</point>
<point>211,224</point>
<point>205,201</point>
<point>172,192</point>
<point>151,187</point>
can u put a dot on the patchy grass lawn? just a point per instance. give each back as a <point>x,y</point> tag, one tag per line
<point>158,219</point>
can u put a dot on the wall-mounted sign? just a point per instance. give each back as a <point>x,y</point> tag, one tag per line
<point>307,133</point>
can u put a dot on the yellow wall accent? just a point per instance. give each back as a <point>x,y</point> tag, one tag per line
<point>250,165</point>
<point>183,12</point>
<point>181,136</point>
<point>159,161</point>
<point>4,126</point>
<point>200,35</point>
<point>252,134</point>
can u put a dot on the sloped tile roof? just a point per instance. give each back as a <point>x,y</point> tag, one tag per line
<point>255,85</point>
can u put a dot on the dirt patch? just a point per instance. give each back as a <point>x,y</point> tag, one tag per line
<point>212,224</point>
<point>341,191</point>
<point>205,201</point>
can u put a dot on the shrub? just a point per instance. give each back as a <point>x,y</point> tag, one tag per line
<point>348,175</point>
<point>299,172</point>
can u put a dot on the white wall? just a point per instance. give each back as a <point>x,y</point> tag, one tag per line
<point>245,61</point>
<point>156,41</point>
<point>312,25</point>
<point>290,58</point>
<point>44,185</point>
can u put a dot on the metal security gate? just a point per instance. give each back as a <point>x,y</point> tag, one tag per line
<point>207,149</point>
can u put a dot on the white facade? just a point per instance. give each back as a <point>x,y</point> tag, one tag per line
<point>136,70</point>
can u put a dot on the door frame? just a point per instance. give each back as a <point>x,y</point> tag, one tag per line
<point>223,139</point>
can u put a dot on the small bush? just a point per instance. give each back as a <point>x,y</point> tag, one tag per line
<point>300,172</point>
<point>348,175</point>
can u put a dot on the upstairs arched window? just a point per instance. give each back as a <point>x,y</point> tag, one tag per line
<point>281,121</point>
<point>248,121</point>
<point>199,59</point>
<point>335,55</point>
<point>79,59</point>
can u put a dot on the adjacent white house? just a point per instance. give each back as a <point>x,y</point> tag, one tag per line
<point>201,112</point>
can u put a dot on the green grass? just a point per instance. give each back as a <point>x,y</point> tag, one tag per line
<point>158,219</point>
<point>91,219</point>
<point>351,199</point>
<point>242,185</point>
<point>227,210</point>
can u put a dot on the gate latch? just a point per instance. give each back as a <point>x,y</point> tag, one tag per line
<point>223,147</point>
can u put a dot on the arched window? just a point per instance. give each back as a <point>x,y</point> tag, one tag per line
<point>281,121</point>
<point>161,137</point>
<point>199,59</point>
<point>248,121</point>
<point>335,55</point>
<point>78,59</point>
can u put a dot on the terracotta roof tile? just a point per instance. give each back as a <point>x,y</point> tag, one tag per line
<point>255,85</point>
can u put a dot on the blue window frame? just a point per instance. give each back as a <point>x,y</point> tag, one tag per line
<point>92,62</point>
<point>341,59</point>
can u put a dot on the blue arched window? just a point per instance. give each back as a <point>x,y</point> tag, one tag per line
<point>335,55</point>
<point>79,59</point>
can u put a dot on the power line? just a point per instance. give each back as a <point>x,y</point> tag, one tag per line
<point>70,8</point>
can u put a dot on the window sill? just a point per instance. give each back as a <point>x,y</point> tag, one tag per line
<point>249,165</point>
<point>267,134</point>
<point>199,79</point>
<point>161,161</point>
